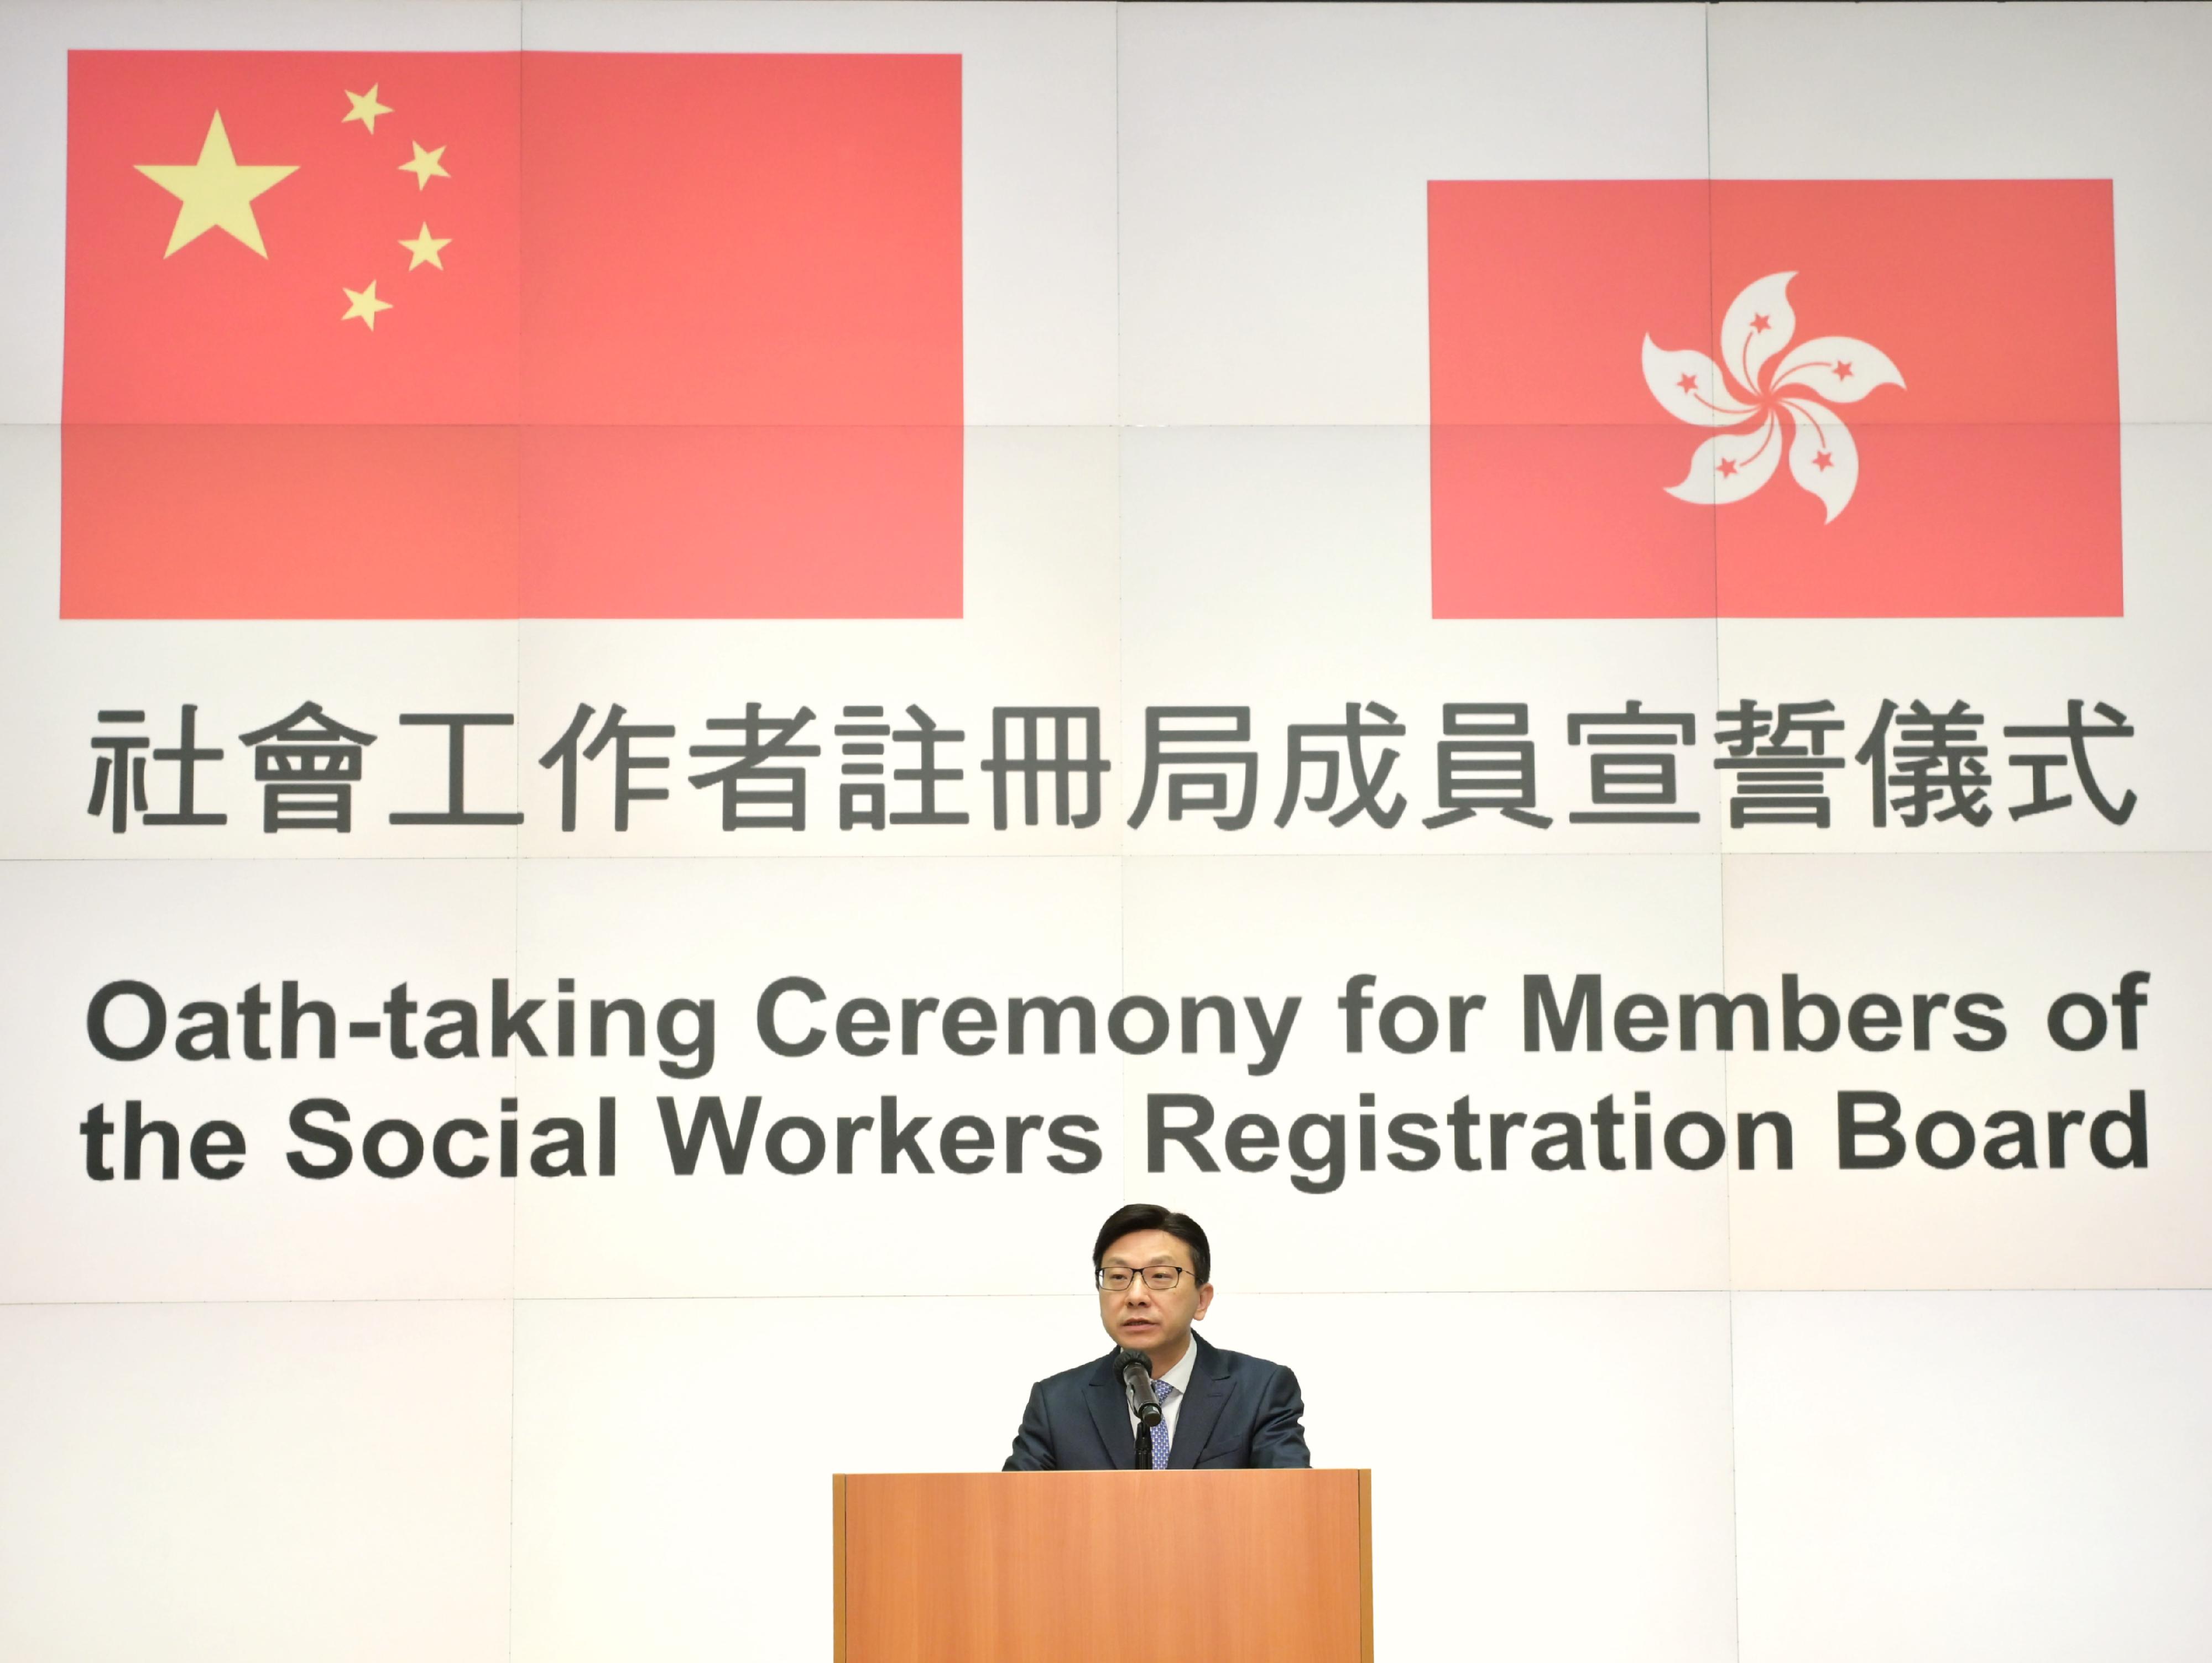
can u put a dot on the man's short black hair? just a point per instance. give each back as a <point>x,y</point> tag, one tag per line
<point>1144,1216</point>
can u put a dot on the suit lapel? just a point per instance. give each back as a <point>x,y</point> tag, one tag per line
<point>1109,1413</point>
<point>1201,1408</point>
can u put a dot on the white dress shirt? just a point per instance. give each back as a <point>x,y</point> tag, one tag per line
<point>1178,1380</point>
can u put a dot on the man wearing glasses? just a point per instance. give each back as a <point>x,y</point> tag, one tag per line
<point>1153,1271</point>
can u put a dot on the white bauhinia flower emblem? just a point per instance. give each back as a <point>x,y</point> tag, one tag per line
<point>1763,388</point>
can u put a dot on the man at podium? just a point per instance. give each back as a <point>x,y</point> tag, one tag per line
<point>1216,1409</point>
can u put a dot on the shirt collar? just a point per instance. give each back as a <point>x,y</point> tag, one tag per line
<point>1179,1376</point>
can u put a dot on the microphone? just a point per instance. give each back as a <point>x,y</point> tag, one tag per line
<point>1136,1371</point>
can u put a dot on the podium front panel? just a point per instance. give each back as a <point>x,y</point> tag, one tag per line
<point>1102,1567</point>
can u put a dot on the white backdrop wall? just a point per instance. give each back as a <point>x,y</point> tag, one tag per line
<point>1698,1410</point>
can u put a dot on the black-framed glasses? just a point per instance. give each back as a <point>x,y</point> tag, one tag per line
<point>1160,1278</point>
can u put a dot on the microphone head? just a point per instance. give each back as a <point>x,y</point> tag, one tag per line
<point>1136,1371</point>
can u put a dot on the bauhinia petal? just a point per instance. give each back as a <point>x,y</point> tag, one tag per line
<point>1838,369</point>
<point>1823,458</point>
<point>1729,466</point>
<point>1758,325</point>
<point>1689,388</point>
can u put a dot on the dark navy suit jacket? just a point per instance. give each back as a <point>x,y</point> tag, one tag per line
<point>1238,1412</point>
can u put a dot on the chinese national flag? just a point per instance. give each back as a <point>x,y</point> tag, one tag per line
<point>422,335</point>
<point>1679,398</point>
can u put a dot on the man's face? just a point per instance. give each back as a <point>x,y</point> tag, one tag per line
<point>1145,1319</point>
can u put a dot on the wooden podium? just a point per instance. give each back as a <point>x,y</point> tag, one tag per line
<point>1104,1567</point>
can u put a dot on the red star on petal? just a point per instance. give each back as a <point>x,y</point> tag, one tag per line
<point>1761,322</point>
<point>1842,369</point>
<point>1727,468</point>
<point>1824,461</point>
<point>1688,383</point>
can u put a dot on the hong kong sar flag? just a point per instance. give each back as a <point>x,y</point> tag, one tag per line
<point>411,335</point>
<point>1678,399</point>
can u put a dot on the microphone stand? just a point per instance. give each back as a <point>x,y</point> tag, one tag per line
<point>1143,1406</point>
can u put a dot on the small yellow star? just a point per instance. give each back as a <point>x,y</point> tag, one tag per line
<point>424,248</point>
<point>365,109</point>
<point>364,305</point>
<point>425,166</point>
<point>214,193</point>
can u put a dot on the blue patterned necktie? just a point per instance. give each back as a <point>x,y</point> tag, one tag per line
<point>1160,1390</point>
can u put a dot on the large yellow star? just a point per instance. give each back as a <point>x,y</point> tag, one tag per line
<point>216,192</point>
<point>365,109</point>
<point>425,167</point>
<point>424,248</point>
<point>363,304</point>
